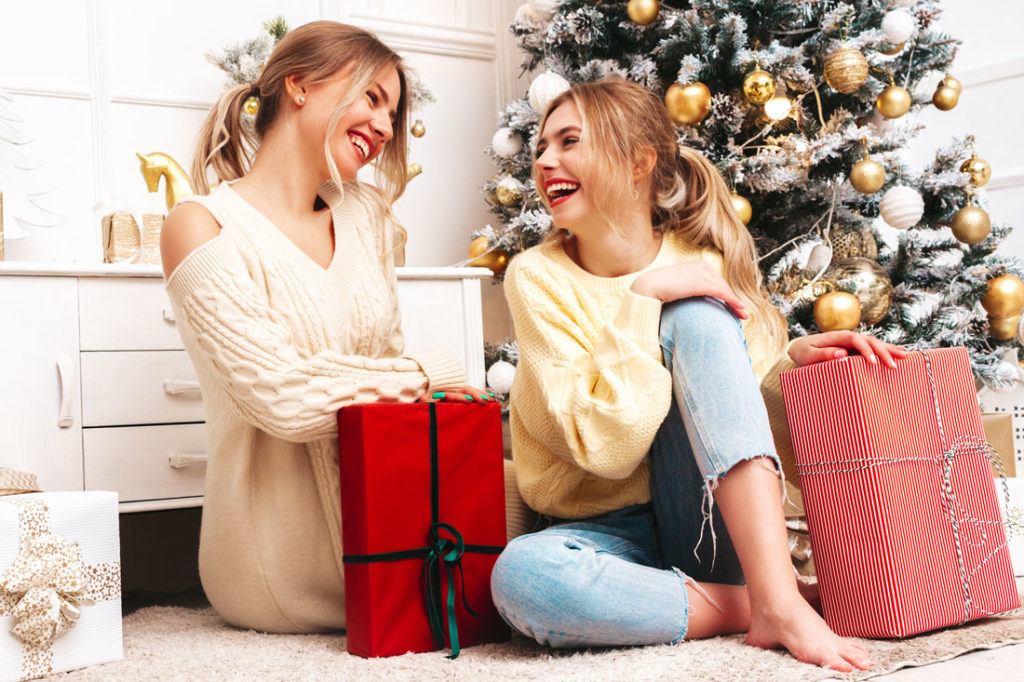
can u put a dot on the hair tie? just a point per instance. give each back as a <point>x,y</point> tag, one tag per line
<point>251,106</point>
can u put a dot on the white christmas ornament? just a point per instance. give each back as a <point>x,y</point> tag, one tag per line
<point>506,143</point>
<point>543,8</point>
<point>545,88</point>
<point>898,26</point>
<point>901,3</point>
<point>902,207</point>
<point>500,376</point>
<point>819,259</point>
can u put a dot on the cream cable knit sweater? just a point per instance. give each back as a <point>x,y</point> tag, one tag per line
<point>590,391</point>
<point>280,344</point>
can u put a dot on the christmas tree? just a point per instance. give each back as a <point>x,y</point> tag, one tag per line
<point>806,107</point>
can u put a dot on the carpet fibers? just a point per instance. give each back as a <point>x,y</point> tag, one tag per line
<point>175,643</point>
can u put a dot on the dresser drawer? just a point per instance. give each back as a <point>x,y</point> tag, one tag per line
<point>120,313</point>
<point>137,461</point>
<point>140,387</point>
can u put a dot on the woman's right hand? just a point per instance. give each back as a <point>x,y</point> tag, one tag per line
<point>686,280</point>
<point>461,394</point>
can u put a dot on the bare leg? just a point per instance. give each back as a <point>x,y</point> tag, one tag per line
<point>751,504</point>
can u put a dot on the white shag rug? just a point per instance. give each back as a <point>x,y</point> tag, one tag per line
<point>175,643</point>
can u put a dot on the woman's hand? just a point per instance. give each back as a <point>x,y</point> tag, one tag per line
<point>686,280</point>
<point>463,394</point>
<point>831,345</point>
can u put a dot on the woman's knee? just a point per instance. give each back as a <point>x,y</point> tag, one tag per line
<point>699,317</point>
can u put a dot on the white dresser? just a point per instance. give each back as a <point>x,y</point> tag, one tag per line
<point>97,393</point>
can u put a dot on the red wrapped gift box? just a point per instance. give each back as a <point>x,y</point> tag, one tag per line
<point>898,490</point>
<point>423,521</point>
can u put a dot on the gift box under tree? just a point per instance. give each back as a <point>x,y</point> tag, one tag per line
<point>423,521</point>
<point>60,582</point>
<point>897,484</point>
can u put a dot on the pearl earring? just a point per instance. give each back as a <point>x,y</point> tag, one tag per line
<point>302,99</point>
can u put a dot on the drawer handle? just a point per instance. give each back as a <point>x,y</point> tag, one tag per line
<point>176,386</point>
<point>169,315</point>
<point>179,460</point>
<point>64,417</point>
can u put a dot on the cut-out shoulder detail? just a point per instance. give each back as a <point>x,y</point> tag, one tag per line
<point>187,227</point>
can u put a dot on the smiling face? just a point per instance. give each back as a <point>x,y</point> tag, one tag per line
<point>558,167</point>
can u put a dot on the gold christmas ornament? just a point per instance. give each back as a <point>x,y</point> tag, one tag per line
<point>945,97</point>
<point>1004,297</point>
<point>494,260</point>
<point>509,192</point>
<point>478,246</point>
<point>850,242</point>
<point>778,107</point>
<point>867,175</point>
<point>643,12</point>
<point>412,170</point>
<point>1003,327</point>
<point>951,82</point>
<point>418,129</point>
<point>742,207</point>
<point>758,86</point>
<point>978,169</point>
<point>688,104</point>
<point>893,102</point>
<point>846,70</point>
<point>837,310</point>
<point>892,50</point>
<point>251,106</point>
<point>970,225</point>
<point>868,281</point>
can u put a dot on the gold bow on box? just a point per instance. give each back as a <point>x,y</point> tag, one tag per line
<point>125,242</point>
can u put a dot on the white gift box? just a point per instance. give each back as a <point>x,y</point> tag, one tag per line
<point>34,529</point>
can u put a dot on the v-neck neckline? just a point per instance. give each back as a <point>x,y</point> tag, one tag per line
<point>330,196</point>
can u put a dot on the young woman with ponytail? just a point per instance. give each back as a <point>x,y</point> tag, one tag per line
<point>644,405</point>
<point>283,286</point>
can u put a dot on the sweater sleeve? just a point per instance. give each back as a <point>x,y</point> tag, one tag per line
<point>245,345</point>
<point>592,396</point>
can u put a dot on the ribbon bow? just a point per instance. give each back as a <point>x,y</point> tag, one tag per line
<point>447,552</point>
<point>47,583</point>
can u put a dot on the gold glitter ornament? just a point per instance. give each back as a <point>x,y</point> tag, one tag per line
<point>836,311</point>
<point>867,175</point>
<point>893,102</point>
<point>742,208</point>
<point>868,281</point>
<point>848,242</point>
<point>251,106</point>
<point>978,169</point>
<point>509,192</point>
<point>758,86</point>
<point>643,12</point>
<point>846,70</point>
<point>688,104</point>
<point>970,225</point>
<point>418,129</point>
<point>1004,297</point>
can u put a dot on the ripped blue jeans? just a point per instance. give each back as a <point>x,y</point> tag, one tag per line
<point>620,578</point>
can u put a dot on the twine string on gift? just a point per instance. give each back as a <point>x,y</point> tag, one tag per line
<point>956,513</point>
<point>446,551</point>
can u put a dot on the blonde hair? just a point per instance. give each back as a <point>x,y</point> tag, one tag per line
<point>317,51</point>
<point>622,120</point>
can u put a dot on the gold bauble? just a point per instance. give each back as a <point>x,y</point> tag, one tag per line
<point>508,192</point>
<point>251,106</point>
<point>758,86</point>
<point>1003,327</point>
<point>495,260</point>
<point>837,310</point>
<point>688,104</point>
<point>893,102</point>
<point>945,98</point>
<point>742,208</point>
<point>978,169</point>
<point>867,175</point>
<point>412,170</point>
<point>951,82</point>
<point>478,246</point>
<point>848,242</point>
<point>418,129</point>
<point>970,224</point>
<point>868,281</point>
<point>846,69</point>
<point>893,49</point>
<point>1005,296</point>
<point>643,12</point>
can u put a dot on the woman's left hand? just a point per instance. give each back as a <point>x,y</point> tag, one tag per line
<point>462,394</point>
<point>831,345</point>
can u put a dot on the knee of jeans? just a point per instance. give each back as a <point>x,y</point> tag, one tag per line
<point>694,318</point>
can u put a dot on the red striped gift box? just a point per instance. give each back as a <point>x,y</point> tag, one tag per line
<point>904,520</point>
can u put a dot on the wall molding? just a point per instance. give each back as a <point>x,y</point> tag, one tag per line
<point>447,41</point>
<point>1011,177</point>
<point>992,72</point>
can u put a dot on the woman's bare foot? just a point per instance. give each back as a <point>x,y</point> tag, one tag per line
<point>792,623</point>
<point>809,591</point>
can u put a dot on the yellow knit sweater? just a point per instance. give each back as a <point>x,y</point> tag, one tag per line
<point>590,391</point>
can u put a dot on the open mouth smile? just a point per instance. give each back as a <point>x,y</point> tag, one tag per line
<point>361,144</point>
<point>559,190</point>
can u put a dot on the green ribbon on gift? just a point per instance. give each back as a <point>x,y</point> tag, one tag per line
<point>441,551</point>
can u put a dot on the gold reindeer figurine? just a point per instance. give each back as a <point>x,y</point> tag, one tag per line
<point>157,165</point>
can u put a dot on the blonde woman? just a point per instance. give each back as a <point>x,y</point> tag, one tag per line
<point>283,285</point>
<point>639,430</point>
